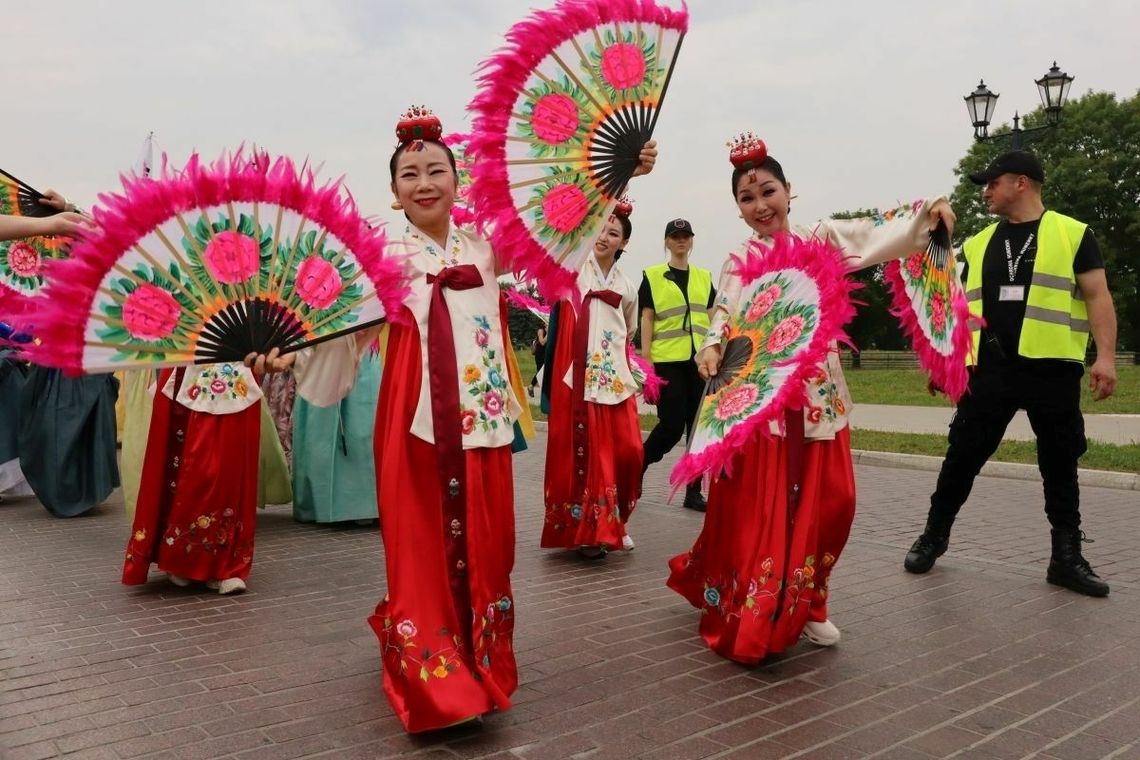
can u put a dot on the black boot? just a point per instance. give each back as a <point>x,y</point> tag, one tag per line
<point>1070,569</point>
<point>930,546</point>
<point>693,498</point>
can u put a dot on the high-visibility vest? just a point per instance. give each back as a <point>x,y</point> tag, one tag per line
<point>679,325</point>
<point>1056,322</point>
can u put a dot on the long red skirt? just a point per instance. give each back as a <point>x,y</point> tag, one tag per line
<point>197,500</point>
<point>742,558</point>
<point>613,476</point>
<point>432,677</point>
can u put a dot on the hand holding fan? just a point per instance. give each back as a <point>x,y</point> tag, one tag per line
<point>23,261</point>
<point>212,263</point>
<point>560,120</point>
<point>794,302</point>
<point>21,199</point>
<point>928,299</point>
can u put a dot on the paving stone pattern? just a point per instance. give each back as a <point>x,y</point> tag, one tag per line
<point>979,659</point>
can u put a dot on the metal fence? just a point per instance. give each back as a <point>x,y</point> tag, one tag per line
<point>872,359</point>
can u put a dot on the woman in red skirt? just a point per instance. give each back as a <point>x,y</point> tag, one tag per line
<point>593,414</point>
<point>444,428</point>
<point>197,501</point>
<point>759,573</point>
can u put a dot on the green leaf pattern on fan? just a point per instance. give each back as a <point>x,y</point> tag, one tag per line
<point>154,307</point>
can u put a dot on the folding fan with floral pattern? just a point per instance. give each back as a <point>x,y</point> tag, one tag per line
<point>793,304</point>
<point>560,119</point>
<point>928,299</point>
<point>22,261</point>
<point>213,262</point>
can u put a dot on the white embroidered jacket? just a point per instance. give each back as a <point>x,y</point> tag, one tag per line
<point>487,404</point>
<point>609,380</point>
<point>867,242</point>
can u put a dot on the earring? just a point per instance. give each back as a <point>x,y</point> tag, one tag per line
<point>397,206</point>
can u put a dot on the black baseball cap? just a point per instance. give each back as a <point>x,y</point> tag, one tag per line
<point>1013,162</point>
<point>678,227</point>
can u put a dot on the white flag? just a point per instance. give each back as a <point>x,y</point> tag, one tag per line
<point>145,162</point>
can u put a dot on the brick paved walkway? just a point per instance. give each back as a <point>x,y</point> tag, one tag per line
<point>979,659</point>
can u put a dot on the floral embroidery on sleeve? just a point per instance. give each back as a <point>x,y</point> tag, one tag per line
<point>903,211</point>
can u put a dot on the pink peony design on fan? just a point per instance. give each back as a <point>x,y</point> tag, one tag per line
<point>623,65</point>
<point>23,259</point>
<point>763,304</point>
<point>318,282</point>
<point>232,257</point>
<point>564,207</point>
<point>733,402</point>
<point>914,266</point>
<point>555,118</point>
<point>785,334</point>
<point>938,313</point>
<point>150,313</point>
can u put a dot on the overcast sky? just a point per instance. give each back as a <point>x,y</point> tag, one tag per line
<point>861,101</point>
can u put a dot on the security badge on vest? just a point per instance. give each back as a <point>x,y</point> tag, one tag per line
<point>1013,292</point>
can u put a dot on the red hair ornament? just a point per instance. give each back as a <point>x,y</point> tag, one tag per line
<point>748,152</point>
<point>416,125</point>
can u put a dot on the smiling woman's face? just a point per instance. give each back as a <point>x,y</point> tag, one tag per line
<point>610,241</point>
<point>425,185</point>
<point>763,202</point>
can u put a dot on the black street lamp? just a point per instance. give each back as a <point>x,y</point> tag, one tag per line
<point>1054,91</point>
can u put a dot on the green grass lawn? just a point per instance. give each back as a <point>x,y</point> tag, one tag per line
<point>907,387</point>
<point>1100,456</point>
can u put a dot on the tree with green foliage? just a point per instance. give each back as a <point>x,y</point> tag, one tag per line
<point>873,326</point>
<point>1092,173</point>
<point>522,324</point>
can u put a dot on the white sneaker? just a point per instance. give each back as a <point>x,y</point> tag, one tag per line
<point>823,634</point>
<point>627,542</point>
<point>231,586</point>
<point>178,580</point>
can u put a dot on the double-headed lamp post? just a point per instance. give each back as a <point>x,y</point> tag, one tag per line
<point>1054,91</point>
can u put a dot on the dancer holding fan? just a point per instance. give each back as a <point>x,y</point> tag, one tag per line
<point>593,412</point>
<point>782,496</point>
<point>66,425</point>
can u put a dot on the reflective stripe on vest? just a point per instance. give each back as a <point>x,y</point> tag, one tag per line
<point>679,324</point>
<point>1056,324</point>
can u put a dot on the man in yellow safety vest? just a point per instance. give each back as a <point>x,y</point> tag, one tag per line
<point>1037,280</point>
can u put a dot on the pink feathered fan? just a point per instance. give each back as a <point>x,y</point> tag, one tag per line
<point>213,262</point>
<point>793,305</point>
<point>927,298</point>
<point>560,119</point>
